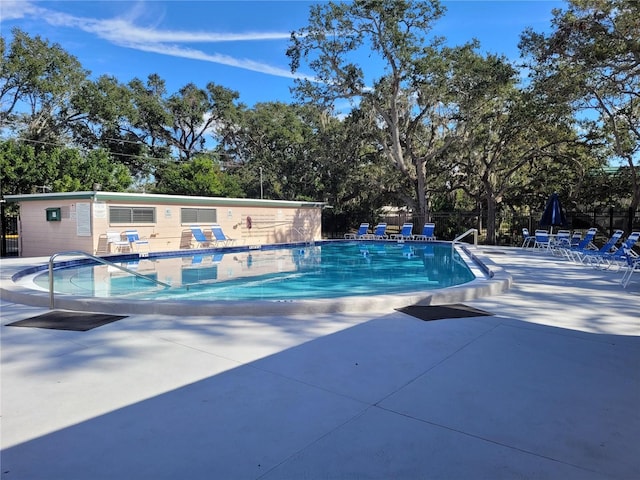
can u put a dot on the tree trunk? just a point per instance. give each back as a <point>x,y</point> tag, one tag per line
<point>491,219</point>
<point>421,195</point>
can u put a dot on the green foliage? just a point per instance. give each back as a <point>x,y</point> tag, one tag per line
<point>199,176</point>
<point>592,60</point>
<point>37,81</point>
<point>80,172</point>
<point>24,169</point>
<point>404,102</point>
<point>431,128</point>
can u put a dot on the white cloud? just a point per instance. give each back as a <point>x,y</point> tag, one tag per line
<point>123,31</point>
<point>16,9</point>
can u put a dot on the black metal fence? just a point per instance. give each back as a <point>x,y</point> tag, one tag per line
<point>8,235</point>
<point>509,227</point>
<point>448,225</point>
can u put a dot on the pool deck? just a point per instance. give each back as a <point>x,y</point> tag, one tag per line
<point>547,387</point>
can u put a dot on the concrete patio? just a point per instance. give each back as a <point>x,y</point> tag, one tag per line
<point>547,387</point>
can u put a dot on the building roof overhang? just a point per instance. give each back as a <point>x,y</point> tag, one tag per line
<point>151,198</point>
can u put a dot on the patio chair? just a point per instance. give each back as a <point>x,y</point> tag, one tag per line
<point>585,244</point>
<point>633,265</point>
<point>135,241</point>
<point>528,238</point>
<point>380,232</point>
<point>406,232</point>
<point>542,240</point>
<point>619,254</point>
<point>427,233</point>
<point>220,237</point>
<point>560,240</point>
<point>576,238</point>
<point>361,233</point>
<point>593,257</point>
<point>200,238</point>
<point>116,243</point>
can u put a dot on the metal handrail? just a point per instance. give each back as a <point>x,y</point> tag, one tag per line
<point>301,231</point>
<point>460,237</point>
<point>97,259</point>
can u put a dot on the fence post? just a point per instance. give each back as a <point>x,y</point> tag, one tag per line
<point>610,220</point>
<point>3,230</point>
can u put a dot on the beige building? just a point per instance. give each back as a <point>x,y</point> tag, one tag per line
<point>59,222</point>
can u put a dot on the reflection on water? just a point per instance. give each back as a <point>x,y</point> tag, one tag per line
<point>321,271</point>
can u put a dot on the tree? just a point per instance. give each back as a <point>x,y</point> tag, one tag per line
<point>273,141</point>
<point>352,175</point>
<point>37,82</point>
<point>196,113</point>
<point>22,170</point>
<point>409,102</point>
<point>592,58</point>
<point>25,169</point>
<point>503,128</point>
<point>107,123</point>
<point>81,171</point>
<point>200,175</point>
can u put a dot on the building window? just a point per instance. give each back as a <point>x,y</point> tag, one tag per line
<point>132,215</point>
<point>198,215</point>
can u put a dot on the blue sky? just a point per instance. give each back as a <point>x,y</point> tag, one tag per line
<point>238,44</point>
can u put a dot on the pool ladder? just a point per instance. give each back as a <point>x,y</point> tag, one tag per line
<point>96,259</point>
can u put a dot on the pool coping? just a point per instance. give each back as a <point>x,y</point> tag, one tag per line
<point>494,281</point>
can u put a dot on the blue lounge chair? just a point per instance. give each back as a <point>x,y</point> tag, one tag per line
<point>620,254</point>
<point>585,244</point>
<point>593,257</point>
<point>220,237</point>
<point>200,238</point>
<point>380,232</point>
<point>563,238</point>
<point>135,241</point>
<point>406,232</point>
<point>575,240</point>
<point>427,233</point>
<point>362,232</point>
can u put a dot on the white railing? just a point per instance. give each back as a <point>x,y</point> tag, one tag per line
<point>303,235</point>
<point>465,234</point>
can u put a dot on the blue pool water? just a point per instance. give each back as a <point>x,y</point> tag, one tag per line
<point>333,269</point>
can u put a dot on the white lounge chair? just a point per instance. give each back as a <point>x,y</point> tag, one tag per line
<point>117,243</point>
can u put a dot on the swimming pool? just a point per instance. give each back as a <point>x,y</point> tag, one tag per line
<point>327,277</point>
<point>337,269</point>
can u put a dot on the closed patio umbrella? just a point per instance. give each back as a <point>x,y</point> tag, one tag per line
<point>553,215</point>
